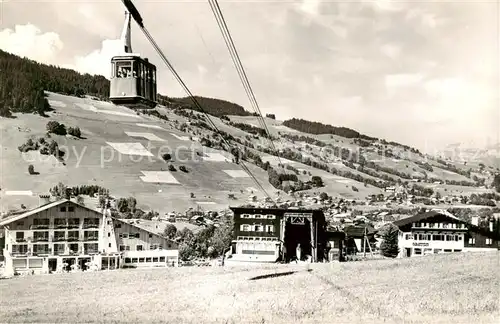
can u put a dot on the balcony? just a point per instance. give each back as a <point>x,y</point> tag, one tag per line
<point>21,240</point>
<point>90,225</point>
<point>40,239</point>
<point>73,238</point>
<point>58,238</point>
<point>39,226</point>
<point>91,238</point>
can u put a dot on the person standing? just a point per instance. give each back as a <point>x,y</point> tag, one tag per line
<point>298,252</point>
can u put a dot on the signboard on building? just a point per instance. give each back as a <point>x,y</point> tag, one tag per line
<point>420,244</point>
<point>298,218</point>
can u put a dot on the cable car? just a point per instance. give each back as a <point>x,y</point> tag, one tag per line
<point>133,78</point>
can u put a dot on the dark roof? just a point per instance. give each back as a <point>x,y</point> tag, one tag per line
<point>288,210</point>
<point>423,216</point>
<point>359,231</point>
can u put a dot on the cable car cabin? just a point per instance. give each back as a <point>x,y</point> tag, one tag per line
<point>133,82</point>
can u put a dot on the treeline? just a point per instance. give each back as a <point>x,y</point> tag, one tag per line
<point>22,90</point>
<point>212,106</point>
<point>317,128</point>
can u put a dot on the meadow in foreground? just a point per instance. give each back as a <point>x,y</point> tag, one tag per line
<point>459,288</point>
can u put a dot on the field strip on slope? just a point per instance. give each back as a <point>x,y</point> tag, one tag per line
<point>57,103</point>
<point>182,138</point>
<point>237,173</point>
<point>215,157</point>
<point>130,148</point>
<point>150,126</point>
<point>148,136</point>
<point>18,193</point>
<point>159,177</point>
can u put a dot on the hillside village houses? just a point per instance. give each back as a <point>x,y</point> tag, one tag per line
<point>63,236</point>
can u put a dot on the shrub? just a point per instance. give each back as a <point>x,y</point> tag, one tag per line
<point>171,168</point>
<point>183,168</point>
<point>354,189</point>
<point>56,128</point>
<point>31,169</point>
<point>75,131</point>
<point>166,157</point>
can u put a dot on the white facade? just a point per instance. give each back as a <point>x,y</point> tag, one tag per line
<point>65,236</point>
<point>431,238</point>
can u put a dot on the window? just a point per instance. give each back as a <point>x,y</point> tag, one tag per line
<point>71,208</point>
<point>472,241</point>
<point>109,222</point>
<point>245,228</point>
<point>134,260</point>
<point>438,237</point>
<point>269,228</point>
<point>19,248</point>
<point>127,260</point>
<point>148,259</point>
<point>450,238</point>
<point>124,69</point>
<point>408,237</point>
<point>118,226</point>
<point>258,228</point>
<point>162,259</point>
<point>124,235</point>
<point>122,247</point>
<point>169,246</point>
<point>269,216</point>
<point>109,234</point>
<point>63,209</point>
<point>489,241</point>
<point>447,250</point>
<point>155,259</point>
<point>150,235</point>
<point>154,246</point>
<point>139,248</point>
<point>41,236</point>
<point>141,259</point>
<point>417,251</point>
<point>40,249</point>
<point>109,244</point>
<point>20,237</point>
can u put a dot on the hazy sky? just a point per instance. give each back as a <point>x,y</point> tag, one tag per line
<point>419,72</point>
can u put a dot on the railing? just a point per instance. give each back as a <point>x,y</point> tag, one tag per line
<point>73,226</point>
<point>73,238</point>
<point>39,226</point>
<point>40,239</point>
<point>59,239</point>
<point>61,226</point>
<point>88,225</point>
<point>91,238</point>
<point>20,240</point>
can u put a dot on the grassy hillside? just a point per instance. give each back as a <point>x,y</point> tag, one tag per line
<point>458,288</point>
<point>313,157</point>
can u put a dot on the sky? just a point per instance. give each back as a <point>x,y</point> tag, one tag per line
<point>422,73</point>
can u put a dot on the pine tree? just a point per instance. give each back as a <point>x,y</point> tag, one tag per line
<point>389,246</point>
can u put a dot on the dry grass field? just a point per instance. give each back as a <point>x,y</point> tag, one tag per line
<point>460,288</point>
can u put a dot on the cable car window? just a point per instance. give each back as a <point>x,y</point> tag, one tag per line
<point>135,72</point>
<point>124,69</point>
<point>113,67</point>
<point>154,76</point>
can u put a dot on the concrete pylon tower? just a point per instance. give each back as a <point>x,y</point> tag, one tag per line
<point>126,37</point>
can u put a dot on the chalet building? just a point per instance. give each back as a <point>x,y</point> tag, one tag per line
<point>270,235</point>
<point>359,238</point>
<point>440,232</point>
<point>63,236</point>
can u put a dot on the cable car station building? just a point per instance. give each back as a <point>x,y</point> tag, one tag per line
<point>270,235</point>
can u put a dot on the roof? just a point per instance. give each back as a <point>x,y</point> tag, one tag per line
<point>423,216</point>
<point>36,210</point>
<point>296,210</point>
<point>150,225</point>
<point>359,230</point>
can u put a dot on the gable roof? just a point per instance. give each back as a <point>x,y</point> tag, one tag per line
<point>359,230</point>
<point>423,216</point>
<point>36,210</point>
<point>142,229</point>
